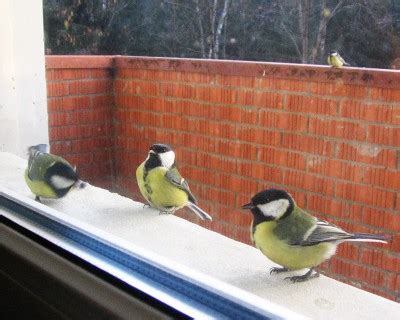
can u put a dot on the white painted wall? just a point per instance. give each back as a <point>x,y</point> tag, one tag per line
<point>23,98</point>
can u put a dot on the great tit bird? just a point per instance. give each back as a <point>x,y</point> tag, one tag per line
<point>292,238</point>
<point>161,184</point>
<point>335,60</point>
<point>48,175</point>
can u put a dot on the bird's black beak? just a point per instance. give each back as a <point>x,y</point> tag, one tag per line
<point>248,206</point>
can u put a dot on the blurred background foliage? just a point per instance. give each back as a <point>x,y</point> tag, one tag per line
<point>365,32</point>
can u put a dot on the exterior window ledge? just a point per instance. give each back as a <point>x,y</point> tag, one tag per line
<point>220,263</point>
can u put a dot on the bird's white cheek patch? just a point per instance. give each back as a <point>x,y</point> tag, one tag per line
<point>61,182</point>
<point>275,208</point>
<point>167,159</point>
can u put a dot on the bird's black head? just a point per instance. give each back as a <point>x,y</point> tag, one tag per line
<point>270,204</point>
<point>333,53</point>
<point>160,148</point>
<point>160,155</point>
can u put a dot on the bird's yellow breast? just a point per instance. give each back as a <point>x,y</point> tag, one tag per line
<point>40,188</point>
<point>335,61</point>
<point>158,191</point>
<point>291,257</point>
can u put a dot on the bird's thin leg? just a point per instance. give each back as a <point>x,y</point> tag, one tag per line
<point>304,277</point>
<point>37,198</point>
<point>278,270</point>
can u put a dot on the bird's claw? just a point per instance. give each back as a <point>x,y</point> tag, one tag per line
<point>277,270</point>
<point>309,275</point>
<point>146,206</point>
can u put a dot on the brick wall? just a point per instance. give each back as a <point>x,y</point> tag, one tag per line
<point>330,137</point>
<point>80,106</point>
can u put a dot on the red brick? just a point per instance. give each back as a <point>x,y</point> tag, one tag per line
<point>68,103</point>
<point>348,251</point>
<point>395,115</point>
<point>236,149</point>
<point>259,136</point>
<point>130,73</point>
<point>203,126</point>
<point>145,88</point>
<point>283,158</point>
<point>385,178</point>
<point>102,101</point>
<point>214,195</point>
<point>366,111</point>
<point>61,147</point>
<point>236,217</point>
<point>90,86</point>
<point>260,99</point>
<point>334,207</point>
<point>283,121</point>
<point>308,144</point>
<point>101,73</point>
<point>57,89</point>
<point>365,194</point>
<point>386,94</point>
<point>260,171</point>
<point>357,272</point>
<point>313,105</point>
<point>166,75</point>
<point>380,259</point>
<point>58,119</point>
<point>235,183</point>
<point>381,219</point>
<point>337,128</point>
<point>395,243</point>
<point>366,153</point>
<point>338,89</point>
<point>234,81</point>
<point>394,282</point>
<point>282,84</point>
<point>384,135</point>
<point>219,95</point>
<point>178,90</point>
<point>72,74</point>
<point>337,168</point>
<point>309,182</point>
<point>241,115</point>
<point>197,77</point>
<point>398,202</point>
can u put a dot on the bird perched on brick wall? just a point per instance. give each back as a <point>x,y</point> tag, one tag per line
<point>48,175</point>
<point>335,60</point>
<point>292,238</point>
<point>161,184</point>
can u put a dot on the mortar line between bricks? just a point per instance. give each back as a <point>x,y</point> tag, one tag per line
<point>327,139</point>
<point>321,116</point>
<point>194,85</point>
<point>236,124</point>
<point>79,79</point>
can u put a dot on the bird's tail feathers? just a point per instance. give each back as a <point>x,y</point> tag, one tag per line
<point>368,237</point>
<point>199,212</point>
<point>346,64</point>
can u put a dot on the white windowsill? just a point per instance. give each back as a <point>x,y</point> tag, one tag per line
<point>205,251</point>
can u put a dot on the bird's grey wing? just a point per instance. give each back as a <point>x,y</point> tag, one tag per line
<point>324,232</point>
<point>174,177</point>
<point>342,60</point>
<point>38,166</point>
